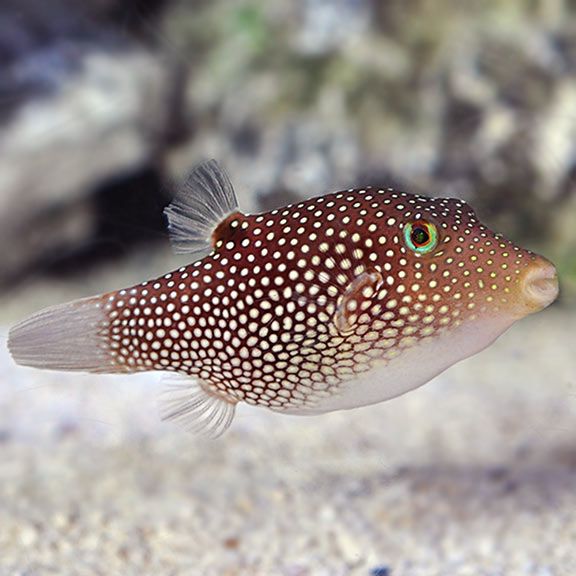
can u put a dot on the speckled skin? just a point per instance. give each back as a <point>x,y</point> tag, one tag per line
<point>337,302</point>
<point>293,304</point>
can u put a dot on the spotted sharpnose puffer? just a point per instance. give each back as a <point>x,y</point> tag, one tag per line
<point>336,302</point>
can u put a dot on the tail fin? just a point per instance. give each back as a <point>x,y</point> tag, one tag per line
<point>72,336</point>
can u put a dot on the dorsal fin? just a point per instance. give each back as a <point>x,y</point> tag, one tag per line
<point>205,199</point>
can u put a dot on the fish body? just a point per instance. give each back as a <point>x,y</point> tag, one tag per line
<point>336,302</point>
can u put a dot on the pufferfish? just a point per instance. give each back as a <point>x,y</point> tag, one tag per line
<point>332,303</point>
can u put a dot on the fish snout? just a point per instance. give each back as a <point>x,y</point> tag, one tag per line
<point>540,284</point>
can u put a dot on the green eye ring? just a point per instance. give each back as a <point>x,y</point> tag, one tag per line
<point>421,236</point>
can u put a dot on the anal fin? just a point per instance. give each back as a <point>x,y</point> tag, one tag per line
<point>190,405</point>
<point>364,287</point>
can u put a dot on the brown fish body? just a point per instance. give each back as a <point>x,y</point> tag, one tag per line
<point>340,301</point>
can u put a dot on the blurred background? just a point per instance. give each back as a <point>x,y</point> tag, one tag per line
<point>105,105</point>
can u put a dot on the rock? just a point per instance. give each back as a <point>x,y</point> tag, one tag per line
<point>430,95</point>
<point>80,106</point>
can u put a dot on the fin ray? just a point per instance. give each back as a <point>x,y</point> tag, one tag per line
<point>71,336</point>
<point>189,405</point>
<point>204,200</point>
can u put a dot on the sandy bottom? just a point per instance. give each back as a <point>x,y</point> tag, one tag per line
<point>473,474</point>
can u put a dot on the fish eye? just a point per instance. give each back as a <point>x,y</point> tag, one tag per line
<point>421,236</point>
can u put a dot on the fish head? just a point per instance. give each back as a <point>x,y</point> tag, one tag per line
<point>448,287</point>
<point>450,284</point>
<point>450,260</point>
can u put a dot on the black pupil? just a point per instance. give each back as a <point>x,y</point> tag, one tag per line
<point>420,236</point>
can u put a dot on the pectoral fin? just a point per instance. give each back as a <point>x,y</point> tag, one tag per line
<point>350,304</point>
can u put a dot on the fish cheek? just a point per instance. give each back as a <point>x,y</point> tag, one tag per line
<point>362,289</point>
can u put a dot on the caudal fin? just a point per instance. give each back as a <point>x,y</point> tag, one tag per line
<point>72,336</point>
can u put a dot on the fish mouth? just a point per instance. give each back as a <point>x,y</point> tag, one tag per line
<point>540,284</point>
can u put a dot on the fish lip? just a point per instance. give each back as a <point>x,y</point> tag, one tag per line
<point>540,284</point>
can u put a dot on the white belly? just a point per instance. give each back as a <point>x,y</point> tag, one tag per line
<point>412,368</point>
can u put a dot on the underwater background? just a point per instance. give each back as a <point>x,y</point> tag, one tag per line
<point>104,107</point>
